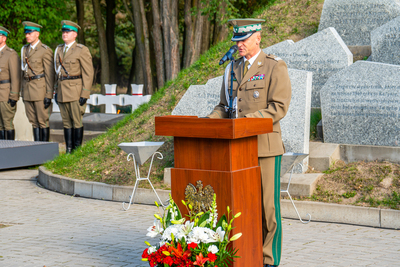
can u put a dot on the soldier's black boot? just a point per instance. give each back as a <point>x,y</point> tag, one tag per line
<point>2,135</point>
<point>10,134</point>
<point>36,134</point>
<point>45,134</point>
<point>78,134</point>
<point>69,140</point>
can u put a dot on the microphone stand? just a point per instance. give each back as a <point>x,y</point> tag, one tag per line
<point>230,109</point>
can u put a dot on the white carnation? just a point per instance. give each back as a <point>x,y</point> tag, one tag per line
<point>213,249</point>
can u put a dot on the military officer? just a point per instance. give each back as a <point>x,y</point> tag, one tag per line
<point>38,81</point>
<point>261,89</point>
<point>9,86</point>
<point>74,70</point>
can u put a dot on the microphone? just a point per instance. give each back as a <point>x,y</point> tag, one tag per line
<point>229,54</point>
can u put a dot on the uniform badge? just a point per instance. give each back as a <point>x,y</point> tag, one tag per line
<point>259,63</point>
<point>256,94</point>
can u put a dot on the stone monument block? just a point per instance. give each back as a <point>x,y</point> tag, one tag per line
<point>361,105</point>
<point>200,100</point>
<point>354,20</point>
<point>385,43</point>
<point>323,53</point>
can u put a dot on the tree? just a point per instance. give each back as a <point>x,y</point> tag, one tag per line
<point>171,38</point>
<point>158,43</point>
<point>110,33</point>
<point>80,12</point>
<point>47,13</point>
<point>105,71</point>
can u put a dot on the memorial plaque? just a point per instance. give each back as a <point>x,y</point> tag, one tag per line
<point>323,53</point>
<point>354,20</point>
<point>385,43</point>
<point>200,100</point>
<point>360,105</point>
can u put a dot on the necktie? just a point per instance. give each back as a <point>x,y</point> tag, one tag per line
<point>65,50</point>
<point>246,67</point>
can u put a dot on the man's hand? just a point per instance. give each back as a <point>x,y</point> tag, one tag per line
<point>12,102</point>
<point>47,103</point>
<point>82,101</point>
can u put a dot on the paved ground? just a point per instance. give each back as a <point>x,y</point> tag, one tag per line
<point>51,229</point>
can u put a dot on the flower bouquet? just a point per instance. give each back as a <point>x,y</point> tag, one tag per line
<point>200,239</point>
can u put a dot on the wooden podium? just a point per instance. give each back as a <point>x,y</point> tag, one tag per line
<point>222,153</point>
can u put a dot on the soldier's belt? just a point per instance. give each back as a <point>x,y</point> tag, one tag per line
<point>34,77</point>
<point>62,78</point>
<point>5,81</point>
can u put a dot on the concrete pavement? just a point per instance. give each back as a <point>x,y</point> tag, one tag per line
<point>51,229</point>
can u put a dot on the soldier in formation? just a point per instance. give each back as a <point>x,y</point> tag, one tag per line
<point>9,86</point>
<point>74,70</point>
<point>38,81</point>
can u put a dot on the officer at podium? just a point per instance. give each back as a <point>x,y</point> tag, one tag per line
<point>10,76</point>
<point>261,89</point>
<point>74,69</point>
<point>38,81</point>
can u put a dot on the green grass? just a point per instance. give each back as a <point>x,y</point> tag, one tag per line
<point>315,117</point>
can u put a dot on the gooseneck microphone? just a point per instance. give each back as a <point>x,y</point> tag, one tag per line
<point>229,54</point>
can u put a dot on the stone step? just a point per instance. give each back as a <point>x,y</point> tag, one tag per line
<point>58,135</point>
<point>302,184</point>
<point>322,155</point>
<point>91,121</point>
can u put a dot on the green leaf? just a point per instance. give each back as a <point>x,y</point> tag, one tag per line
<point>221,220</point>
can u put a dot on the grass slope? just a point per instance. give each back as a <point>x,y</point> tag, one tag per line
<point>101,160</point>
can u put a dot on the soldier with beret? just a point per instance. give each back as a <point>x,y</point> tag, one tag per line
<point>38,81</point>
<point>74,70</point>
<point>261,89</point>
<point>9,86</point>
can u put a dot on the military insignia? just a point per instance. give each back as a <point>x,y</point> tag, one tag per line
<point>278,58</point>
<point>200,199</point>
<point>256,77</point>
<point>256,94</point>
<point>259,63</point>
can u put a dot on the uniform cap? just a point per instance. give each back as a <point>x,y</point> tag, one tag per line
<point>31,27</point>
<point>67,26</point>
<point>4,31</point>
<point>244,28</point>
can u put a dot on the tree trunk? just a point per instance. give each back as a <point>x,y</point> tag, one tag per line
<point>158,44</point>
<point>105,73</point>
<point>205,38</point>
<point>188,48</point>
<point>110,31</point>
<point>80,13</point>
<point>220,29</point>
<point>171,38</point>
<point>141,34</point>
<point>199,31</point>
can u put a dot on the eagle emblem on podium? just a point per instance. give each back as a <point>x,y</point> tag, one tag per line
<point>199,197</point>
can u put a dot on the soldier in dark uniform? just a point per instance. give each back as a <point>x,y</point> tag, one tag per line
<point>261,89</point>
<point>38,83</point>
<point>74,70</point>
<point>9,86</point>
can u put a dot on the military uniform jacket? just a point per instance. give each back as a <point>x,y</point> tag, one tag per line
<point>41,61</point>
<point>264,92</point>
<point>9,70</point>
<point>77,61</point>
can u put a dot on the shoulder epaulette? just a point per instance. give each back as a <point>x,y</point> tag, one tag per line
<point>10,49</point>
<point>45,46</point>
<point>80,45</point>
<point>60,45</point>
<point>28,44</point>
<point>273,57</point>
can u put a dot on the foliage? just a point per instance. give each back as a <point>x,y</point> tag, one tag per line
<point>315,117</point>
<point>202,240</point>
<point>47,13</point>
